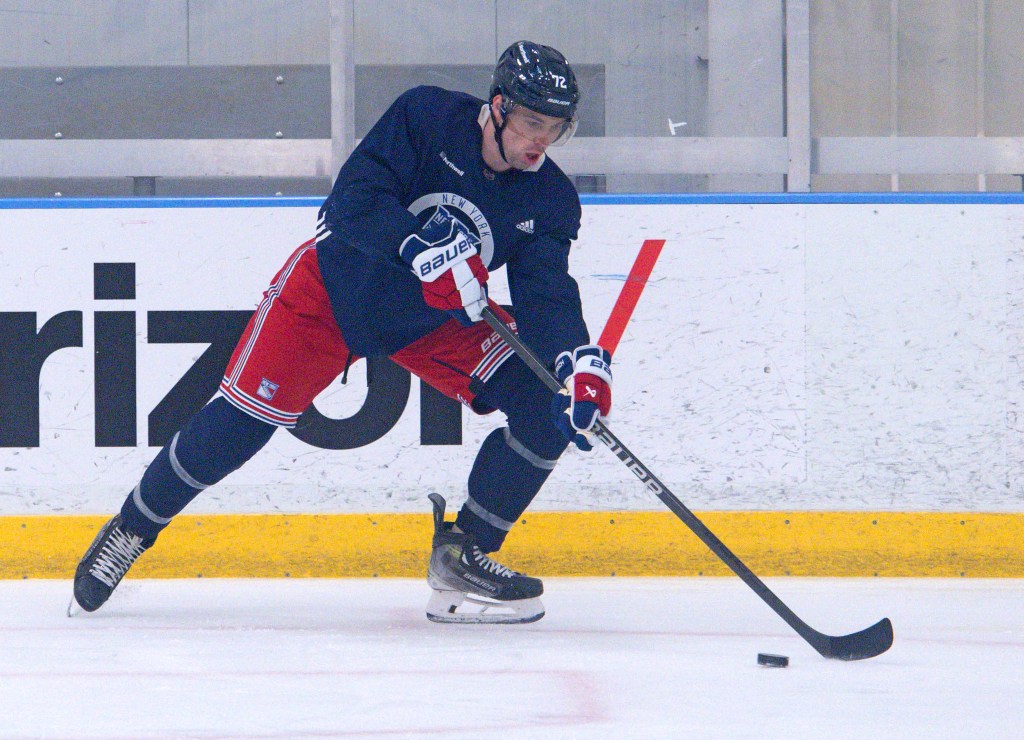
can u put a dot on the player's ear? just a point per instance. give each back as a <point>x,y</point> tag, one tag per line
<point>496,108</point>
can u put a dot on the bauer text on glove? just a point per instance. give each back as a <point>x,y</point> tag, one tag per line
<point>586,375</point>
<point>444,255</point>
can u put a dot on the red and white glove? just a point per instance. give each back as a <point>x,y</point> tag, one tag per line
<point>586,374</point>
<point>444,255</point>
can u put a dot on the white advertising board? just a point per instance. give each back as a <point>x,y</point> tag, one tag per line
<point>782,356</point>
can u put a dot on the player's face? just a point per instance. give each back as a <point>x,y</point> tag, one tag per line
<point>528,134</point>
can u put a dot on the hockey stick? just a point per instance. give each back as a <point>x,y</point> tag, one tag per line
<point>867,643</point>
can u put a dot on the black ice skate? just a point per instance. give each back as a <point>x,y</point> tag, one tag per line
<point>106,561</point>
<point>469,587</point>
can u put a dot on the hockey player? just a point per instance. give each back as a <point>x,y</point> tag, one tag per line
<point>443,188</point>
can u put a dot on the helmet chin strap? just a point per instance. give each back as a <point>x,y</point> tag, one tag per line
<point>499,129</point>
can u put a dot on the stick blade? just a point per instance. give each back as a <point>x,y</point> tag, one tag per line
<point>867,643</point>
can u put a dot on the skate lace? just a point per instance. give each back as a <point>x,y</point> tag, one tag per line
<point>116,557</point>
<point>492,566</point>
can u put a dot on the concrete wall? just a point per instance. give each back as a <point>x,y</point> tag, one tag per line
<point>878,67</point>
<point>904,68</point>
<point>89,33</point>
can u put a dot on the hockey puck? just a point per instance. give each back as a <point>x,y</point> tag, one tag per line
<point>772,661</point>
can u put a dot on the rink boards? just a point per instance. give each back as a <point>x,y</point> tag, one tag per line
<point>846,364</point>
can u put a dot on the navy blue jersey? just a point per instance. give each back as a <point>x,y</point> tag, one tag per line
<point>424,152</point>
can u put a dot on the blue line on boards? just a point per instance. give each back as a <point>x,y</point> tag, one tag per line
<point>279,201</point>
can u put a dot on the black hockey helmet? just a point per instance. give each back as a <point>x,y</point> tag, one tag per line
<point>539,78</point>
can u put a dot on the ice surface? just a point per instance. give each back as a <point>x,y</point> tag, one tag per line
<point>613,658</point>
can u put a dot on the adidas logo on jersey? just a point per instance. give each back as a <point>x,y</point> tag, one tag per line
<point>526,226</point>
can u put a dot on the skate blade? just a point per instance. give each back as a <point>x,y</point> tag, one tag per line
<point>74,609</point>
<point>455,607</point>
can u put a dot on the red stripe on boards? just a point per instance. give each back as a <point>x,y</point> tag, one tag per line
<point>630,294</point>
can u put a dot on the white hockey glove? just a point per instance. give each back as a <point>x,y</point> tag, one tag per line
<point>444,255</point>
<point>586,374</point>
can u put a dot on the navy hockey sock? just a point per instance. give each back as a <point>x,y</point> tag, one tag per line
<point>514,462</point>
<point>505,478</point>
<point>215,442</point>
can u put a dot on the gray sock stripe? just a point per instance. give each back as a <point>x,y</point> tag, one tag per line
<point>187,479</point>
<point>535,460</point>
<point>146,511</point>
<point>494,521</point>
